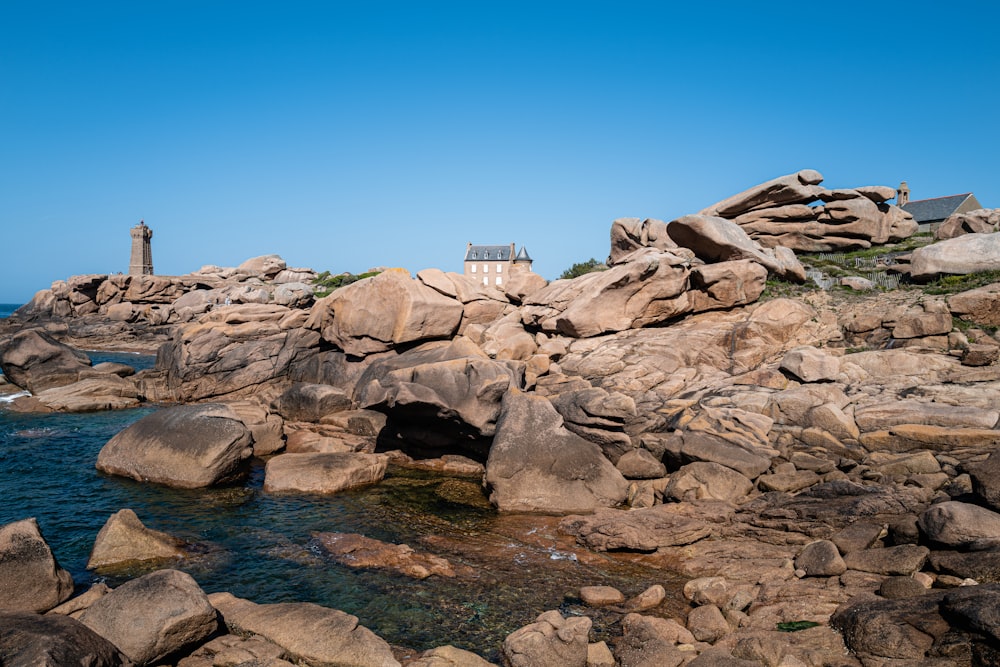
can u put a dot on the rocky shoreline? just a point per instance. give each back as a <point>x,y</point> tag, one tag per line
<point>819,468</point>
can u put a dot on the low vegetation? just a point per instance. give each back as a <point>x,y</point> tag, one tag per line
<point>955,284</point>
<point>326,282</point>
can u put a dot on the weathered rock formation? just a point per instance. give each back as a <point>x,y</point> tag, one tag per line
<point>29,639</point>
<point>980,221</point>
<point>781,212</point>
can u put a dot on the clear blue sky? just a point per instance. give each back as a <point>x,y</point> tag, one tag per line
<point>349,135</point>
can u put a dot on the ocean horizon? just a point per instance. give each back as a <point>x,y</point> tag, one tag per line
<point>7,309</point>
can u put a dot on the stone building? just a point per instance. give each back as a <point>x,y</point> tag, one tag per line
<point>141,262</point>
<point>492,264</point>
<point>930,213</point>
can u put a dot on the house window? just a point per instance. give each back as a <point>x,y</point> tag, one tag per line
<point>473,268</point>
<point>498,280</point>
<point>486,268</point>
<point>499,268</point>
<point>486,280</point>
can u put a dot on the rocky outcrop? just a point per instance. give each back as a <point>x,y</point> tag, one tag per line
<point>30,577</point>
<point>379,313</point>
<point>980,221</point>
<point>153,300</point>
<point>439,397</point>
<point>308,633</point>
<point>235,351</point>
<point>970,253</point>
<point>780,212</point>
<point>649,287</point>
<point>124,539</point>
<point>184,446</point>
<point>645,529</point>
<point>35,361</point>
<point>175,614</point>
<point>537,465</point>
<point>28,640</point>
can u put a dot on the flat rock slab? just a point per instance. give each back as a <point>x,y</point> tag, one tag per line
<point>323,473</point>
<point>635,530</point>
<point>187,446</point>
<point>308,632</point>
<point>904,559</point>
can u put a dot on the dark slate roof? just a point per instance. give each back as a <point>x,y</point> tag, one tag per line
<point>490,252</point>
<point>523,255</point>
<point>939,208</point>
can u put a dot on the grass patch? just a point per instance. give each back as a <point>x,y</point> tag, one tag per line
<point>955,284</point>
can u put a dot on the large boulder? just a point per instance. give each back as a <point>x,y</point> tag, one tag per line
<point>971,253</point>
<point>551,641</point>
<point>30,578</point>
<point>124,539</point>
<point>798,188</point>
<point>323,472</point>
<point>265,266</point>
<point>187,446</point>
<point>153,616</point>
<point>35,361</point>
<point>537,465</point>
<point>439,396</point>
<point>309,633</point>
<point>599,416</point>
<point>958,524</point>
<point>378,313</point>
<point>31,640</point>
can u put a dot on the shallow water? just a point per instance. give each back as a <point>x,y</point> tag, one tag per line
<point>261,546</point>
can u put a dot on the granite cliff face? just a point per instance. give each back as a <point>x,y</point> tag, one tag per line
<point>793,457</point>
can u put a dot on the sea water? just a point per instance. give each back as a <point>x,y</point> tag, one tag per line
<point>263,547</point>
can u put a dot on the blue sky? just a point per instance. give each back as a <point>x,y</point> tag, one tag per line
<point>344,136</point>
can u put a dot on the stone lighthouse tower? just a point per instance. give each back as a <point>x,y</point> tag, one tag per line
<point>141,263</point>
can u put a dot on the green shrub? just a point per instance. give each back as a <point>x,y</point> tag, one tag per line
<point>326,283</point>
<point>583,268</point>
